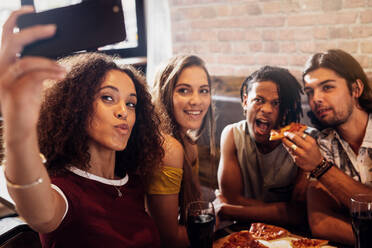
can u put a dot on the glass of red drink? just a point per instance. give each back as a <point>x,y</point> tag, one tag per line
<point>200,224</point>
<point>361,217</point>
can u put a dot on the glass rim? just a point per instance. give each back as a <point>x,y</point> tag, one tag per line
<point>362,198</point>
<point>199,202</point>
<point>206,205</point>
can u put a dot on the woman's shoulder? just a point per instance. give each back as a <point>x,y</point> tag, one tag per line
<point>173,152</point>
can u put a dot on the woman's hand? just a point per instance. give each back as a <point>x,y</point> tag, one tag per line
<point>21,78</point>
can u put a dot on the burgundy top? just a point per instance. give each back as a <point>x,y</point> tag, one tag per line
<point>98,217</point>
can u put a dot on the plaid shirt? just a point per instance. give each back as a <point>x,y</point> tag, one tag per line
<point>337,150</point>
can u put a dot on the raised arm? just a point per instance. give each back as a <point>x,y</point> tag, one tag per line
<point>20,97</point>
<point>238,207</point>
<point>163,206</point>
<point>308,156</point>
<point>328,200</point>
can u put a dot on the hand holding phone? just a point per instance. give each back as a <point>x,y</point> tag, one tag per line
<point>85,26</point>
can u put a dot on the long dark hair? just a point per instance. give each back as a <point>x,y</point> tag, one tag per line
<point>289,88</point>
<point>347,67</point>
<point>68,107</point>
<point>163,89</point>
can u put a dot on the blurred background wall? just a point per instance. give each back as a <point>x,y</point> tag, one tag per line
<point>236,37</point>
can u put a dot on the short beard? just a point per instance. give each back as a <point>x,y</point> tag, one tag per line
<point>333,123</point>
<point>336,121</point>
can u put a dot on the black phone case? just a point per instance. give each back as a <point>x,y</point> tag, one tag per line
<point>84,26</point>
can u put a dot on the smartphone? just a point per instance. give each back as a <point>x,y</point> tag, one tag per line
<point>84,26</point>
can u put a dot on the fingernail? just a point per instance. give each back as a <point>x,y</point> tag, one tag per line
<point>51,27</point>
<point>61,75</point>
<point>61,67</point>
<point>289,135</point>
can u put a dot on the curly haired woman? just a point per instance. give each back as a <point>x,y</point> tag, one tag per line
<point>98,130</point>
<point>182,96</point>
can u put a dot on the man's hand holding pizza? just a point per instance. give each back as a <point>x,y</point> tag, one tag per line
<point>303,149</point>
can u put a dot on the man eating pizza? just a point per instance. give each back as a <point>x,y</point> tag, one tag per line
<point>340,97</point>
<point>257,177</point>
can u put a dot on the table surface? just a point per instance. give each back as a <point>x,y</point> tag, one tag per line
<point>236,227</point>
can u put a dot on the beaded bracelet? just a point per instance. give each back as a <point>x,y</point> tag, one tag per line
<point>321,169</point>
<point>29,185</point>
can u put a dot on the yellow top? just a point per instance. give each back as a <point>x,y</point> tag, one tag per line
<point>165,180</point>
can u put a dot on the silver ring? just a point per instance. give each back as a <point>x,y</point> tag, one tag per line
<point>304,136</point>
<point>293,147</point>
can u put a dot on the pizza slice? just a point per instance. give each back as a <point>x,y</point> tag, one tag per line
<point>308,243</point>
<point>267,232</point>
<point>242,239</point>
<point>292,127</point>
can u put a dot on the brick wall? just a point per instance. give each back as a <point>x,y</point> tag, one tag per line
<point>236,37</point>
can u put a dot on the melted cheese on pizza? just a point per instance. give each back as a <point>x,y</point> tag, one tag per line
<point>267,232</point>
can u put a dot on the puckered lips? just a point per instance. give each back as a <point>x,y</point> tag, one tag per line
<point>194,114</point>
<point>122,128</point>
<point>263,126</point>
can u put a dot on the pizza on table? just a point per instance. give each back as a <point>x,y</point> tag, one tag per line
<point>262,235</point>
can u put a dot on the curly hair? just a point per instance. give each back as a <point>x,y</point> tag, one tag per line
<point>68,108</point>
<point>289,91</point>
<point>166,79</point>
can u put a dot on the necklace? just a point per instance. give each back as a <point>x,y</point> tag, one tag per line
<point>119,192</point>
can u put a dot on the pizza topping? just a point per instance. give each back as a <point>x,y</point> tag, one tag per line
<point>263,235</point>
<point>308,243</point>
<point>292,127</point>
<point>267,232</point>
<point>242,239</point>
